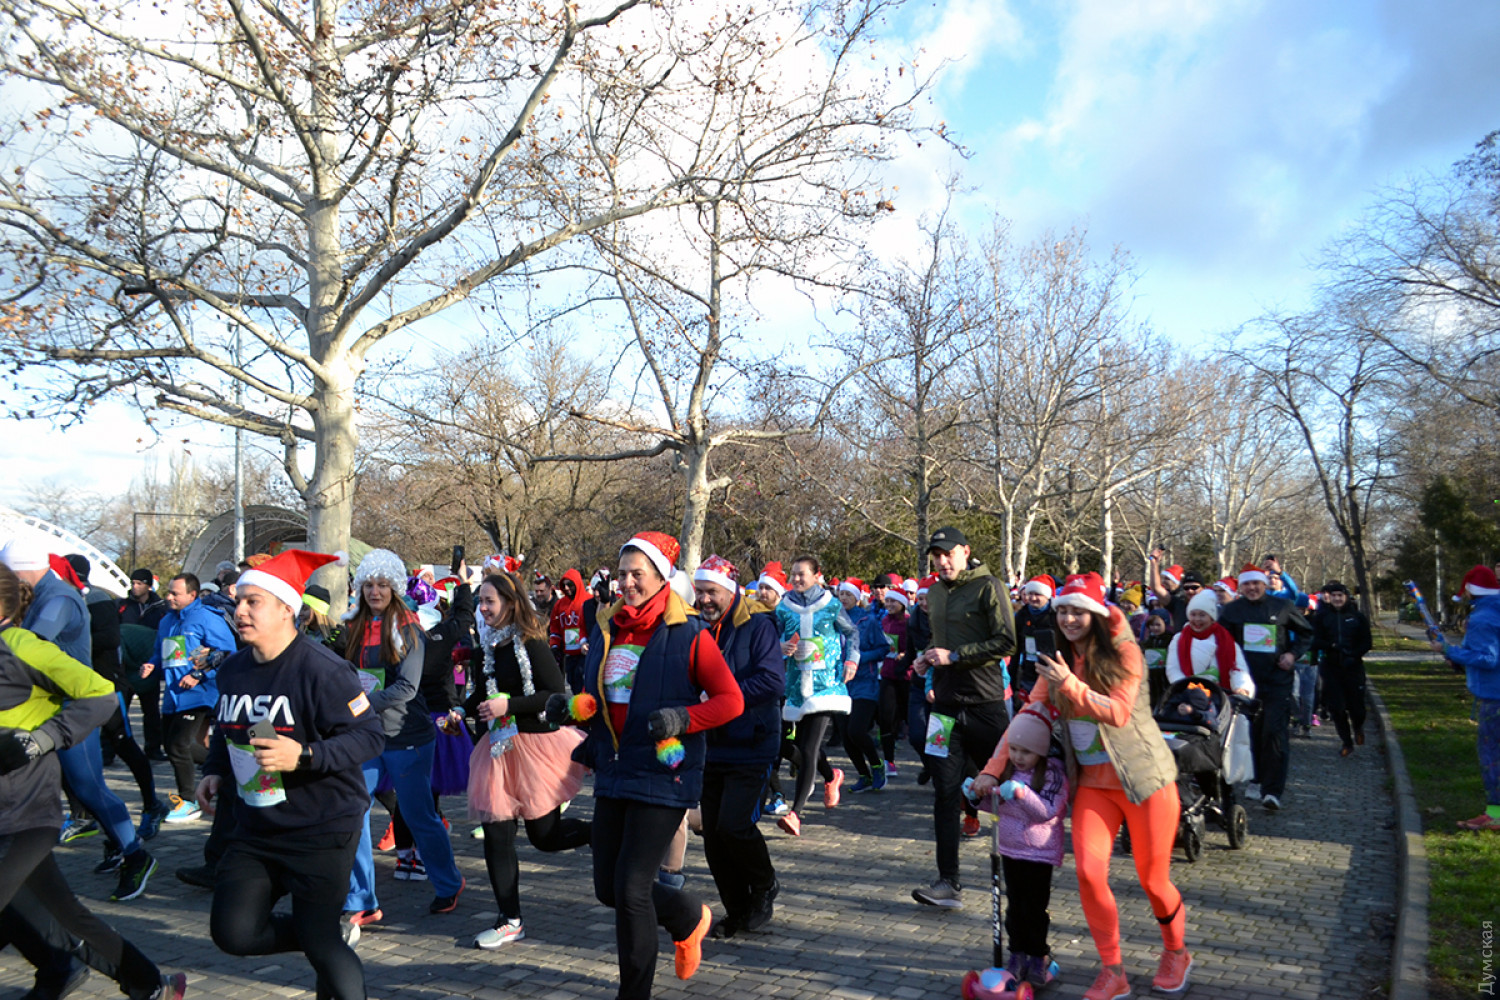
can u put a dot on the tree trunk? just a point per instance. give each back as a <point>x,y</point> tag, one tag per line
<point>695,501</point>
<point>330,492</point>
<point>1107,540</point>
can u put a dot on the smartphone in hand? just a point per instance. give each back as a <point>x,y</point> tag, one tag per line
<point>458,558</point>
<point>262,730</point>
<point>1046,644</point>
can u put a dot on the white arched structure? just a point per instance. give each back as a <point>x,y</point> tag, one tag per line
<point>103,572</point>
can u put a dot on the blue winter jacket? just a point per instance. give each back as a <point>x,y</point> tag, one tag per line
<point>873,649</point>
<point>58,614</point>
<point>186,630</point>
<point>1480,653</point>
<point>748,639</point>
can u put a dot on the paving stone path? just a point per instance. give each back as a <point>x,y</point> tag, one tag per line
<point>1305,910</point>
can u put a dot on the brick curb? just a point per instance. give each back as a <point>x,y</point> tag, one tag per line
<point>1409,954</point>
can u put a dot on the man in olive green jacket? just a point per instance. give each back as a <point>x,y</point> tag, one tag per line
<point>972,633</point>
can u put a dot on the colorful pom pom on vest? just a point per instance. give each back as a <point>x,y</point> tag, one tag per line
<point>582,707</point>
<point>670,751</point>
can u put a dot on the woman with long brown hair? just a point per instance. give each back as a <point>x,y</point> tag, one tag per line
<point>522,767</point>
<point>1121,772</point>
<point>385,643</point>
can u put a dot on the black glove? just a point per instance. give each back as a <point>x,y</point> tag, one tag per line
<point>16,751</point>
<point>665,723</point>
<point>557,711</point>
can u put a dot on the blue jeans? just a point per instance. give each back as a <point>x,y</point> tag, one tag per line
<point>410,770</point>
<point>83,766</point>
<point>1307,691</point>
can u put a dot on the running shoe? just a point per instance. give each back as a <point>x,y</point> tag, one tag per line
<point>447,904</point>
<point>411,869</point>
<point>690,948</point>
<point>940,893</point>
<point>890,769</point>
<point>75,830</point>
<point>134,872</point>
<point>500,935</point>
<point>1172,972</point>
<point>113,857</point>
<point>880,780</point>
<point>864,784</point>
<point>349,931</point>
<point>791,824</point>
<point>1482,822</point>
<point>183,811</point>
<point>670,879</point>
<point>1271,802</point>
<point>151,819</point>
<point>477,833</point>
<point>1041,970</point>
<point>778,807</point>
<point>388,839</point>
<point>831,789</point>
<point>762,907</point>
<point>970,826</point>
<point>364,918</point>
<point>173,987</point>
<point>1109,986</point>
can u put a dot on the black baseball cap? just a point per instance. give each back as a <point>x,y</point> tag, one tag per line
<point>945,539</point>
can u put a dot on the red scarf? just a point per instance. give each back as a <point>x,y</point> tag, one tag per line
<point>633,626</point>
<point>1223,652</point>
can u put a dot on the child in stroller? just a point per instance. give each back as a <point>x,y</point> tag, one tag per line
<point>1207,729</point>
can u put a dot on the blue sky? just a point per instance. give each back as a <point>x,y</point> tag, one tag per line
<point>1221,143</point>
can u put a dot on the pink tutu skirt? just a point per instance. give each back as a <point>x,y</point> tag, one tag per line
<point>535,776</point>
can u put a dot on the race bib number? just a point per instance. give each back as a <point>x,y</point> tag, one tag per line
<point>1155,658</point>
<point>571,637</point>
<point>503,730</point>
<point>619,673</point>
<point>1087,746</point>
<point>939,734</point>
<point>174,651</point>
<point>1260,638</point>
<point>370,681</point>
<point>257,788</point>
<point>1031,647</point>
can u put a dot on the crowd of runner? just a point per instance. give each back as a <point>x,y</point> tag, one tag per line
<point>715,701</point>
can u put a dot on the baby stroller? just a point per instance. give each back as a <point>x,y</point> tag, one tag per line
<point>1211,760</point>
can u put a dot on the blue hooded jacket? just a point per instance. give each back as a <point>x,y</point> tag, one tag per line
<point>1480,653</point>
<point>193,626</point>
<point>873,649</point>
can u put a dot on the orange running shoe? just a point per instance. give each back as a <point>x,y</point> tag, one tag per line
<point>831,794</point>
<point>1172,973</point>
<point>791,824</point>
<point>1109,986</point>
<point>387,839</point>
<point>690,949</point>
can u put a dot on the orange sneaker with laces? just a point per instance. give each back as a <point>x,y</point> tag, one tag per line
<point>791,824</point>
<point>1172,972</point>
<point>387,839</point>
<point>1109,986</point>
<point>690,949</point>
<point>831,794</point>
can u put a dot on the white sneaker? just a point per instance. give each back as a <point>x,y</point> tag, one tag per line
<point>1252,792</point>
<point>1271,802</point>
<point>496,937</point>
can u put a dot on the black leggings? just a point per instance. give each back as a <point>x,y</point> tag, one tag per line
<point>549,833</point>
<point>894,695</point>
<point>1028,890</point>
<point>809,744</point>
<point>115,738</point>
<point>858,743</point>
<point>629,840</point>
<point>314,870</point>
<point>30,878</point>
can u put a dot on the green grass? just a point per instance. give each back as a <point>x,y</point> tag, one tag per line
<point>1387,640</point>
<point>1430,709</point>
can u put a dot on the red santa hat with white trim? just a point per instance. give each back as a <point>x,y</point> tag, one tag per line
<point>1040,584</point>
<point>1228,584</point>
<point>717,569</point>
<point>1481,582</point>
<point>1173,573</point>
<point>661,549</point>
<point>1082,590</point>
<point>926,583</point>
<point>1251,572</point>
<point>773,577</point>
<point>854,585</point>
<point>899,596</point>
<point>284,575</point>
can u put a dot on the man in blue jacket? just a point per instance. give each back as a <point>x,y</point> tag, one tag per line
<point>740,754</point>
<point>189,691</point>
<point>1480,657</point>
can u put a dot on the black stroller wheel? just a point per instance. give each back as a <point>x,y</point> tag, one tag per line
<point>1239,827</point>
<point>1192,843</point>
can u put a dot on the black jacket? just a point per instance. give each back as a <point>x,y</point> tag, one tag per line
<point>148,613</point>
<point>1340,635</point>
<point>546,680</point>
<point>438,687</point>
<point>1290,631</point>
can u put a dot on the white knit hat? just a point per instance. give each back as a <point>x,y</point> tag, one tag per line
<point>1206,601</point>
<point>381,564</point>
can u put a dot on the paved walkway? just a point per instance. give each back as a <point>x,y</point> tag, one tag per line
<point>1306,910</point>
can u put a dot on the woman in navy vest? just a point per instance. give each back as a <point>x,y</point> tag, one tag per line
<point>649,663</point>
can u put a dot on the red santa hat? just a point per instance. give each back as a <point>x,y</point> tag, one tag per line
<point>284,576</point>
<point>895,594</point>
<point>717,569</point>
<point>1481,582</point>
<point>1173,573</point>
<point>1082,590</point>
<point>1229,584</point>
<point>661,549</point>
<point>926,583</point>
<point>773,577</point>
<point>1040,584</point>
<point>854,585</point>
<point>446,586</point>
<point>1251,572</point>
<point>65,569</point>
<point>500,562</point>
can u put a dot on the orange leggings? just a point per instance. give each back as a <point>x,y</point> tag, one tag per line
<point>1097,814</point>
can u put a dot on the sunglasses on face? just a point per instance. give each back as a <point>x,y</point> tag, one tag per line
<point>1190,587</point>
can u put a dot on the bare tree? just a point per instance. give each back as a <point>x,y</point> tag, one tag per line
<point>312,180</point>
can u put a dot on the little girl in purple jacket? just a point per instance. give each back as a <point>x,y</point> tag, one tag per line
<point>1029,801</point>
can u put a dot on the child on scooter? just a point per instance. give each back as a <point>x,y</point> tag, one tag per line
<point>1030,797</point>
